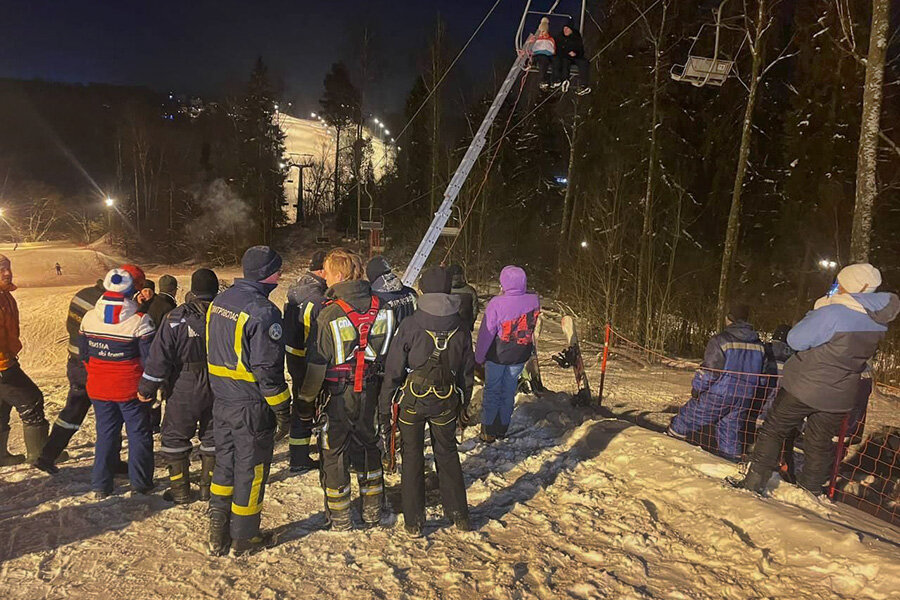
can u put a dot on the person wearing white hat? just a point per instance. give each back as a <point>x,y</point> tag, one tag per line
<point>833,343</point>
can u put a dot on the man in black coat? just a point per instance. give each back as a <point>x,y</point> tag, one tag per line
<point>178,355</point>
<point>431,361</point>
<point>305,299</point>
<point>158,305</point>
<point>569,52</point>
<point>468,301</point>
<point>390,290</point>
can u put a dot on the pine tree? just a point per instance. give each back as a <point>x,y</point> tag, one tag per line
<point>261,151</point>
<point>341,109</point>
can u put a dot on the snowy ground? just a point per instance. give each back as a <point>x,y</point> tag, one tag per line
<point>573,505</point>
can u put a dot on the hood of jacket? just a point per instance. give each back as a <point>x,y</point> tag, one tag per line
<point>387,283</point>
<point>438,312</point>
<point>263,288</point>
<point>115,308</point>
<point>357,293</point>
<point>513,280</point>
<point>742,331</point>
<point>308,286</point>
<point>882,307</point>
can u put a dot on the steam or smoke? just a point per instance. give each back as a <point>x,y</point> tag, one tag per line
<point>224,213</point>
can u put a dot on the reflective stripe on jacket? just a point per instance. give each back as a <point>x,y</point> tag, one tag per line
<point>245,346</point>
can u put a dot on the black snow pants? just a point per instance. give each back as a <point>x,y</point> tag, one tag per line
<point>440,415</point>
<point>244,433</point>
<point>349,437</point>
<point>784,418</point>
<point>18,391</point>
<point>563,64</point>
<point>189,411</point>
<point>302,414</point>
<point>72,415</point>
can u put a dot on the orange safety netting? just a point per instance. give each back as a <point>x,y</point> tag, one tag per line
<point>727,408</point>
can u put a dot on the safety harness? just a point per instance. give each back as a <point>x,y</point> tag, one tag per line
<point>363,323</point>
<point>435,376</point>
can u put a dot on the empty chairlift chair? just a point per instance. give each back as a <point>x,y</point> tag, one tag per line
<point>700,70</point>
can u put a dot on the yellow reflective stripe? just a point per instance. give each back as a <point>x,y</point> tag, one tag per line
<point>294,351</point>
<point>337,493</point>
<point>342,505</point>
<point>221,490</point>
<point>254,505</point>
<point>176,477</point>
<point>231,373</point>
<point>279,398</point>
<point>371,491</point>
<point>299,441</point>
<point>339,356</point>
<point>307,321</point>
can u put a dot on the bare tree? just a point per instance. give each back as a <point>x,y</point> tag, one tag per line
<point>40,211</point>
<point>867,156</point>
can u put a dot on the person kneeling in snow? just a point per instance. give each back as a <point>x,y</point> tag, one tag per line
<point>505,343</point>
<point>822,380</point>
<point>724,385</point>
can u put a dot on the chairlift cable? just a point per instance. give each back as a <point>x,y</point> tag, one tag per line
<point>624,31</point>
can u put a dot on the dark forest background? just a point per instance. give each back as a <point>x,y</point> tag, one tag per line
<point>616,203</point>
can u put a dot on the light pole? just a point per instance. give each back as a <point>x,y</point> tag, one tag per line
<point>110,203</point>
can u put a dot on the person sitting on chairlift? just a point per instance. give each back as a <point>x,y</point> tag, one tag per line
<point>543,53</point>
<point>570,52</point>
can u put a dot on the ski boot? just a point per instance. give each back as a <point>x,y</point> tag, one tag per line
<point>207,466</point>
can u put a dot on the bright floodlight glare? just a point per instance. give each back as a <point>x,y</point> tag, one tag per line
<point>276,107</point>
<point>375,120</point>
<point>1,212</point>
<point>314,115</point>
<point>109,201</point>
<point>386,132</point>
<point>584,244</point>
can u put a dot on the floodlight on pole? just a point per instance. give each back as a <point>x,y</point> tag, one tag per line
<point>313,115</point>
<point>109,202</point>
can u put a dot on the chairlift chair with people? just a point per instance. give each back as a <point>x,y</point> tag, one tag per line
<point>522,34</point>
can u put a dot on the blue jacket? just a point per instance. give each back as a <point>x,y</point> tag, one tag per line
<point>731,364</point>
<point>178,355</point>
<point>305,300</point>
<point>833,344</point>
<point>244,345</point>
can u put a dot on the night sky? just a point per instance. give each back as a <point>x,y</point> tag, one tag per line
<point>208,47</point>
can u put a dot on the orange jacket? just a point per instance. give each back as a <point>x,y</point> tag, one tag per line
<point>10,344</point>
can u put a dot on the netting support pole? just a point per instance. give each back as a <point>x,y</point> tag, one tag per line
<point>603,363</point>
<point>838,457</point>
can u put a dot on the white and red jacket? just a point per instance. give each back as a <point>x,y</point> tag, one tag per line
<point>115,341</point>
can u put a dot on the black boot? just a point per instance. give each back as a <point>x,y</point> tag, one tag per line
<point>7,459</point>
<point>35,438</point>
<point>207,466</point>
<point>179,490</point>
<point>219,532</point>
<point>753,481</point>
<point>461,521</point>
<point>339,520</point>
<point>303,463</point>
<point>54,449</point>
<point>243,547</point>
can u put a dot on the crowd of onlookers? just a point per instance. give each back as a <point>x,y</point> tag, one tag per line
<point>372,362</point>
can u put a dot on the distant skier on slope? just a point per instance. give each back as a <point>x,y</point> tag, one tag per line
<point>724,386</point>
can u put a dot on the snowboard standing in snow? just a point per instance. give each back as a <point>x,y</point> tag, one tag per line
<point>571,357</point>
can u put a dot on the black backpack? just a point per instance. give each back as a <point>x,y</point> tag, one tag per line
<point>435,376</point>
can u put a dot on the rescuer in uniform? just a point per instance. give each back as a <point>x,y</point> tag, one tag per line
<point>305,299</point>
<point>245,352</point>
<point>353,336</point>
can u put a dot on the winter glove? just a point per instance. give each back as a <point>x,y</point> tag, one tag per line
<point>282,419</point>
<point>465,418</point>
<point>694,394</point>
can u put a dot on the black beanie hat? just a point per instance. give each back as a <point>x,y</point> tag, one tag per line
<point>149,284</point>
<point>317,262</point>
<point>781,333</point>
<point>260,262</point>
<point>168,285</point>
<point>377,267</point>
<point>435,280</point>
<point>204,284</point>
<point>738,312</point>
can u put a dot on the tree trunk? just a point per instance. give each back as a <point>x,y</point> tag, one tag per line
<point>734,215</point>
<point>337,173</point>
<point>647,227</point>
<point>568,200</point>
<point>866,161</point>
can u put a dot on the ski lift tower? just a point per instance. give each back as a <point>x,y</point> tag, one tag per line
<point>443,214</point>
